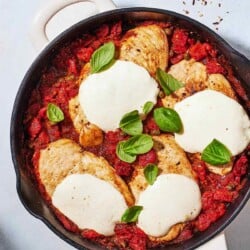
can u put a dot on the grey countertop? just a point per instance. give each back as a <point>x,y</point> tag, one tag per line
<point>18,229</point>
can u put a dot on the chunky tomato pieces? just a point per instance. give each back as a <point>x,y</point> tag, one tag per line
<point>179,41</point>
<point>213,67</point>
<point>199,50</point>
<point>217,191</point>
<point>149,157</point>
<point>130,236</point>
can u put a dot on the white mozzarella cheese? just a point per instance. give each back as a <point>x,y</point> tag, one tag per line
<point>209,115</point>
<point>106,96</point>
<point>89,202</point>
<point>171,199</point>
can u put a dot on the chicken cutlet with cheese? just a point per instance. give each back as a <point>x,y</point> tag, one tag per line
<point>146,46</point>
<point>171,160</point>
<point>195,78</point>
<point>79,185</point>
<point>64,157</point>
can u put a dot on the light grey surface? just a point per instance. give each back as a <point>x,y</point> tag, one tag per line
<point>18,229</point>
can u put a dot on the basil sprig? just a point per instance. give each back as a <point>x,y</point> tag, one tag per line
<point>150,173</point>
<point>131,123</point>
<point>54,113</point>
<point>168,120</point>
<point>102,57</point>
<point>216,153</point>
<point>131,214</point>
<point>148,106</point>
<point>168,83</point>
<point>138,144</point>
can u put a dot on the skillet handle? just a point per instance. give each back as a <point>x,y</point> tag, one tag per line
<point>38,34</point>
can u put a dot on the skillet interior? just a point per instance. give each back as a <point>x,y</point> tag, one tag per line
<point>28,194</point>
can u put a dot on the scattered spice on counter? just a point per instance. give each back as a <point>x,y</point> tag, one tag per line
<point>200,14</point>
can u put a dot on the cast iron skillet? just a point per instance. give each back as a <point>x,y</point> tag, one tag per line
<point>27,192</point>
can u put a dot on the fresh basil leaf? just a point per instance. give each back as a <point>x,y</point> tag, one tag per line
<point>131,214</point>
<point>102,57</point>
<point>148,106</point>
<point>168,83</point>
<point>150,173</point>
<point>216,153</point>
<point>122,154</point>
<point>131,123</point>
<point>168,120</point>
<point>138,144</point>
<point>54,113</point>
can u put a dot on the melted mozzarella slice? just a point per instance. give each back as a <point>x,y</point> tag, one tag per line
<point>106,96</point>
<point>171,199</point>
<point>89,202</point>
<point>209,115</point>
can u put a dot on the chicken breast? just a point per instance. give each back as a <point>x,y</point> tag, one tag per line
<point>64,157</point>
<point>146,46</point>
<point>219,83</point>
<point>195,78</point>
<point>89,134</point>
<point>171,159</point>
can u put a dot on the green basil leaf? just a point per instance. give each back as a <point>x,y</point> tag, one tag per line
<point>123,155</point>
<point>138,144</point>
<point>131,214</point>
<point>168,83</point>
<point>102,57</point>
<point>168,120</point>
<point>216,153</point>
<point>148,106</point>
<point>54,113</point>
<point>150,173</point>
<point>131,123</point>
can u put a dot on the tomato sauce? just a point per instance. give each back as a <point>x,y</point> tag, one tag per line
<point>59,84</point>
